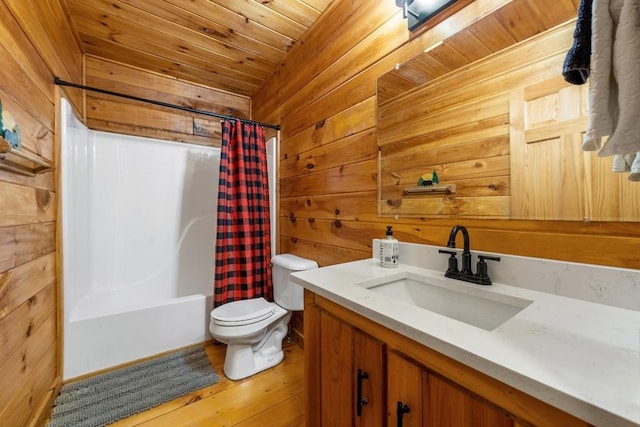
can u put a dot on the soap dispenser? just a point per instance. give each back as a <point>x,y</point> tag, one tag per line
<point>389,250</point>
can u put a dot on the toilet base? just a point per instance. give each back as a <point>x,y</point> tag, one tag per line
<point>243,360</point>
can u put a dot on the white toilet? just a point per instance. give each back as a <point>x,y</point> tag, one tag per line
<point>253,329</point>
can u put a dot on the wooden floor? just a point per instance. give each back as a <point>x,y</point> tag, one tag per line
<point>271,398</point>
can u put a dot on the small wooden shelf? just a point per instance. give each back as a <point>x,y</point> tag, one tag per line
<point>36,165</point>
<point>431,189</point>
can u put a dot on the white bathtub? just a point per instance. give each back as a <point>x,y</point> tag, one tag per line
<point>108,327</point>
<point>138,240</point>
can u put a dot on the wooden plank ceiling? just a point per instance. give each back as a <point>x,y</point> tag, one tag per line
<point>233,45</point>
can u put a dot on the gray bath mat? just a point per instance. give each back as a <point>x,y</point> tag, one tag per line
<point>109,397</point>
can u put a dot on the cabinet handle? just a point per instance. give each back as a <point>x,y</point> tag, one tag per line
<point>402,409</point>
<point>361,401</point>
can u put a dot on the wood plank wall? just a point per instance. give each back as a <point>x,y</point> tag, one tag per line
<point>323,96</point>
<point>114,114</point>
<point>36,43</point>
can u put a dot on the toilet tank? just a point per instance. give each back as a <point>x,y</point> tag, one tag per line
<point>287,294</point>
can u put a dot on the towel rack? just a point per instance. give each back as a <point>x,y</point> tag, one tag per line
<point>431,189</point>
<point>7,150</point>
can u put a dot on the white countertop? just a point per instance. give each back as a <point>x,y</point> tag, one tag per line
<point>580,356</point>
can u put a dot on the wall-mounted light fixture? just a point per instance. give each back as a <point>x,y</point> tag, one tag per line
<point>419,11</point>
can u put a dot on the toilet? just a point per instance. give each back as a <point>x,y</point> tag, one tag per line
<point>253,329</point>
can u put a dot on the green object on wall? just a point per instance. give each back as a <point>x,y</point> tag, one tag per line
<point>434,177</point>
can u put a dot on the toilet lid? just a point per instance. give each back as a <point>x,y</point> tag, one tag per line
<point>243,312</point>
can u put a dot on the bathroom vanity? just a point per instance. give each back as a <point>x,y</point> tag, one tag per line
<point>377,353</point>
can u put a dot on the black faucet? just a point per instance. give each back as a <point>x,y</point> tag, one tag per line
<point>481,277</point>
<point>466,252</point>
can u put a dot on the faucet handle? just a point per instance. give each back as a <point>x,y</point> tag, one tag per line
<point>488,257</point>
<point>453,261</point>
<point>481,268</point>
<point>442,251</point>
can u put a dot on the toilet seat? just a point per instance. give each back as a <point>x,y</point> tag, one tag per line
<point>243,312</point>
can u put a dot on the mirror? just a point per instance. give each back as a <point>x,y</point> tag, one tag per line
<point>482,125</point>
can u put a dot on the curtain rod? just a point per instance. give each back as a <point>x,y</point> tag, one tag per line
<point>60,82</point>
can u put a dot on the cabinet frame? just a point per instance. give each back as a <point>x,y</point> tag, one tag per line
<point>524,409</point>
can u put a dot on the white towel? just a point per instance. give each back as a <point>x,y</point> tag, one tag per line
<point>624,162</point>
<point>614,91</point>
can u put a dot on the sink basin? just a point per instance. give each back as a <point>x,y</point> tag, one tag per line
<point>470,304</point>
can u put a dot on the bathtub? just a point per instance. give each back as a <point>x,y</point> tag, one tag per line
<point>138,245</point>
<point>109,327</point>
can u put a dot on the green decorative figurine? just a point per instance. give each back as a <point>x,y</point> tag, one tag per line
<point>434,178</point>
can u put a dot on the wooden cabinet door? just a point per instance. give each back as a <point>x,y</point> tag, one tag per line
<point>369,359</point>
<point>404,387</point>
<point>336,367</point>
<point>447,405</point>
<point>335,350</point>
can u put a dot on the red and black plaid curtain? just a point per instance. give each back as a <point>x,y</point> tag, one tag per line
<point>243,244</point>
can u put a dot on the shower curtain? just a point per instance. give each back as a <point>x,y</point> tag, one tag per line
<point>243,242</point>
